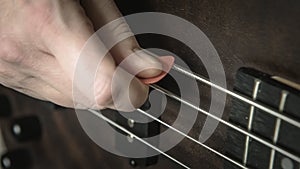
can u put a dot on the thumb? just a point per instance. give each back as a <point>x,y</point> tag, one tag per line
<point>85,60</point>
<point>102,13</point>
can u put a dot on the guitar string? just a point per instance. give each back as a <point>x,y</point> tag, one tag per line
<point>158,88</point>
<point>165,124</point>
<point>155,148</point>
<point>240,97</point>
<point>276,148</point>
<point>99,115</point>
<point>194,140</point>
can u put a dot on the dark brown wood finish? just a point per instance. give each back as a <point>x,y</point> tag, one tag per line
<point>260,34</point>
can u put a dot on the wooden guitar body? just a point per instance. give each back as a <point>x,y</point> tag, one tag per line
<point>262,35</point>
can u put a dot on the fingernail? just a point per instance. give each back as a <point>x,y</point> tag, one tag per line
<point>149,57</point>
<point>167,63</point>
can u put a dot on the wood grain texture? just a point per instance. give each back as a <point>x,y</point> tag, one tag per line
<point>262,34</point>
<point>269,93</point>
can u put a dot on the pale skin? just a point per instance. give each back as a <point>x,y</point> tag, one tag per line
<point>40,41</point>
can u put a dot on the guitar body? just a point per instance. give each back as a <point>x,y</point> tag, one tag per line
<point>263,35</point>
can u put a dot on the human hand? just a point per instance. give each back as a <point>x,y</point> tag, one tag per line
<point>40,42</point>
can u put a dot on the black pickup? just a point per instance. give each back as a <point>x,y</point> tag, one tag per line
<point>142,130</point>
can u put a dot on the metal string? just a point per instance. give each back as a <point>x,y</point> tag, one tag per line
<point>194,140</point>
<point>169,94</point>
<point>278,149</point>
<point>136,137</point>
<point>240,97</point>
<point>155,148</point>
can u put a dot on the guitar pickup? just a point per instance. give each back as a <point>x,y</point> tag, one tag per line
<point>143,128</point>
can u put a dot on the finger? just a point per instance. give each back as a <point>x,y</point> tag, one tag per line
<point>103,12</point>
<point>91,68</point>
